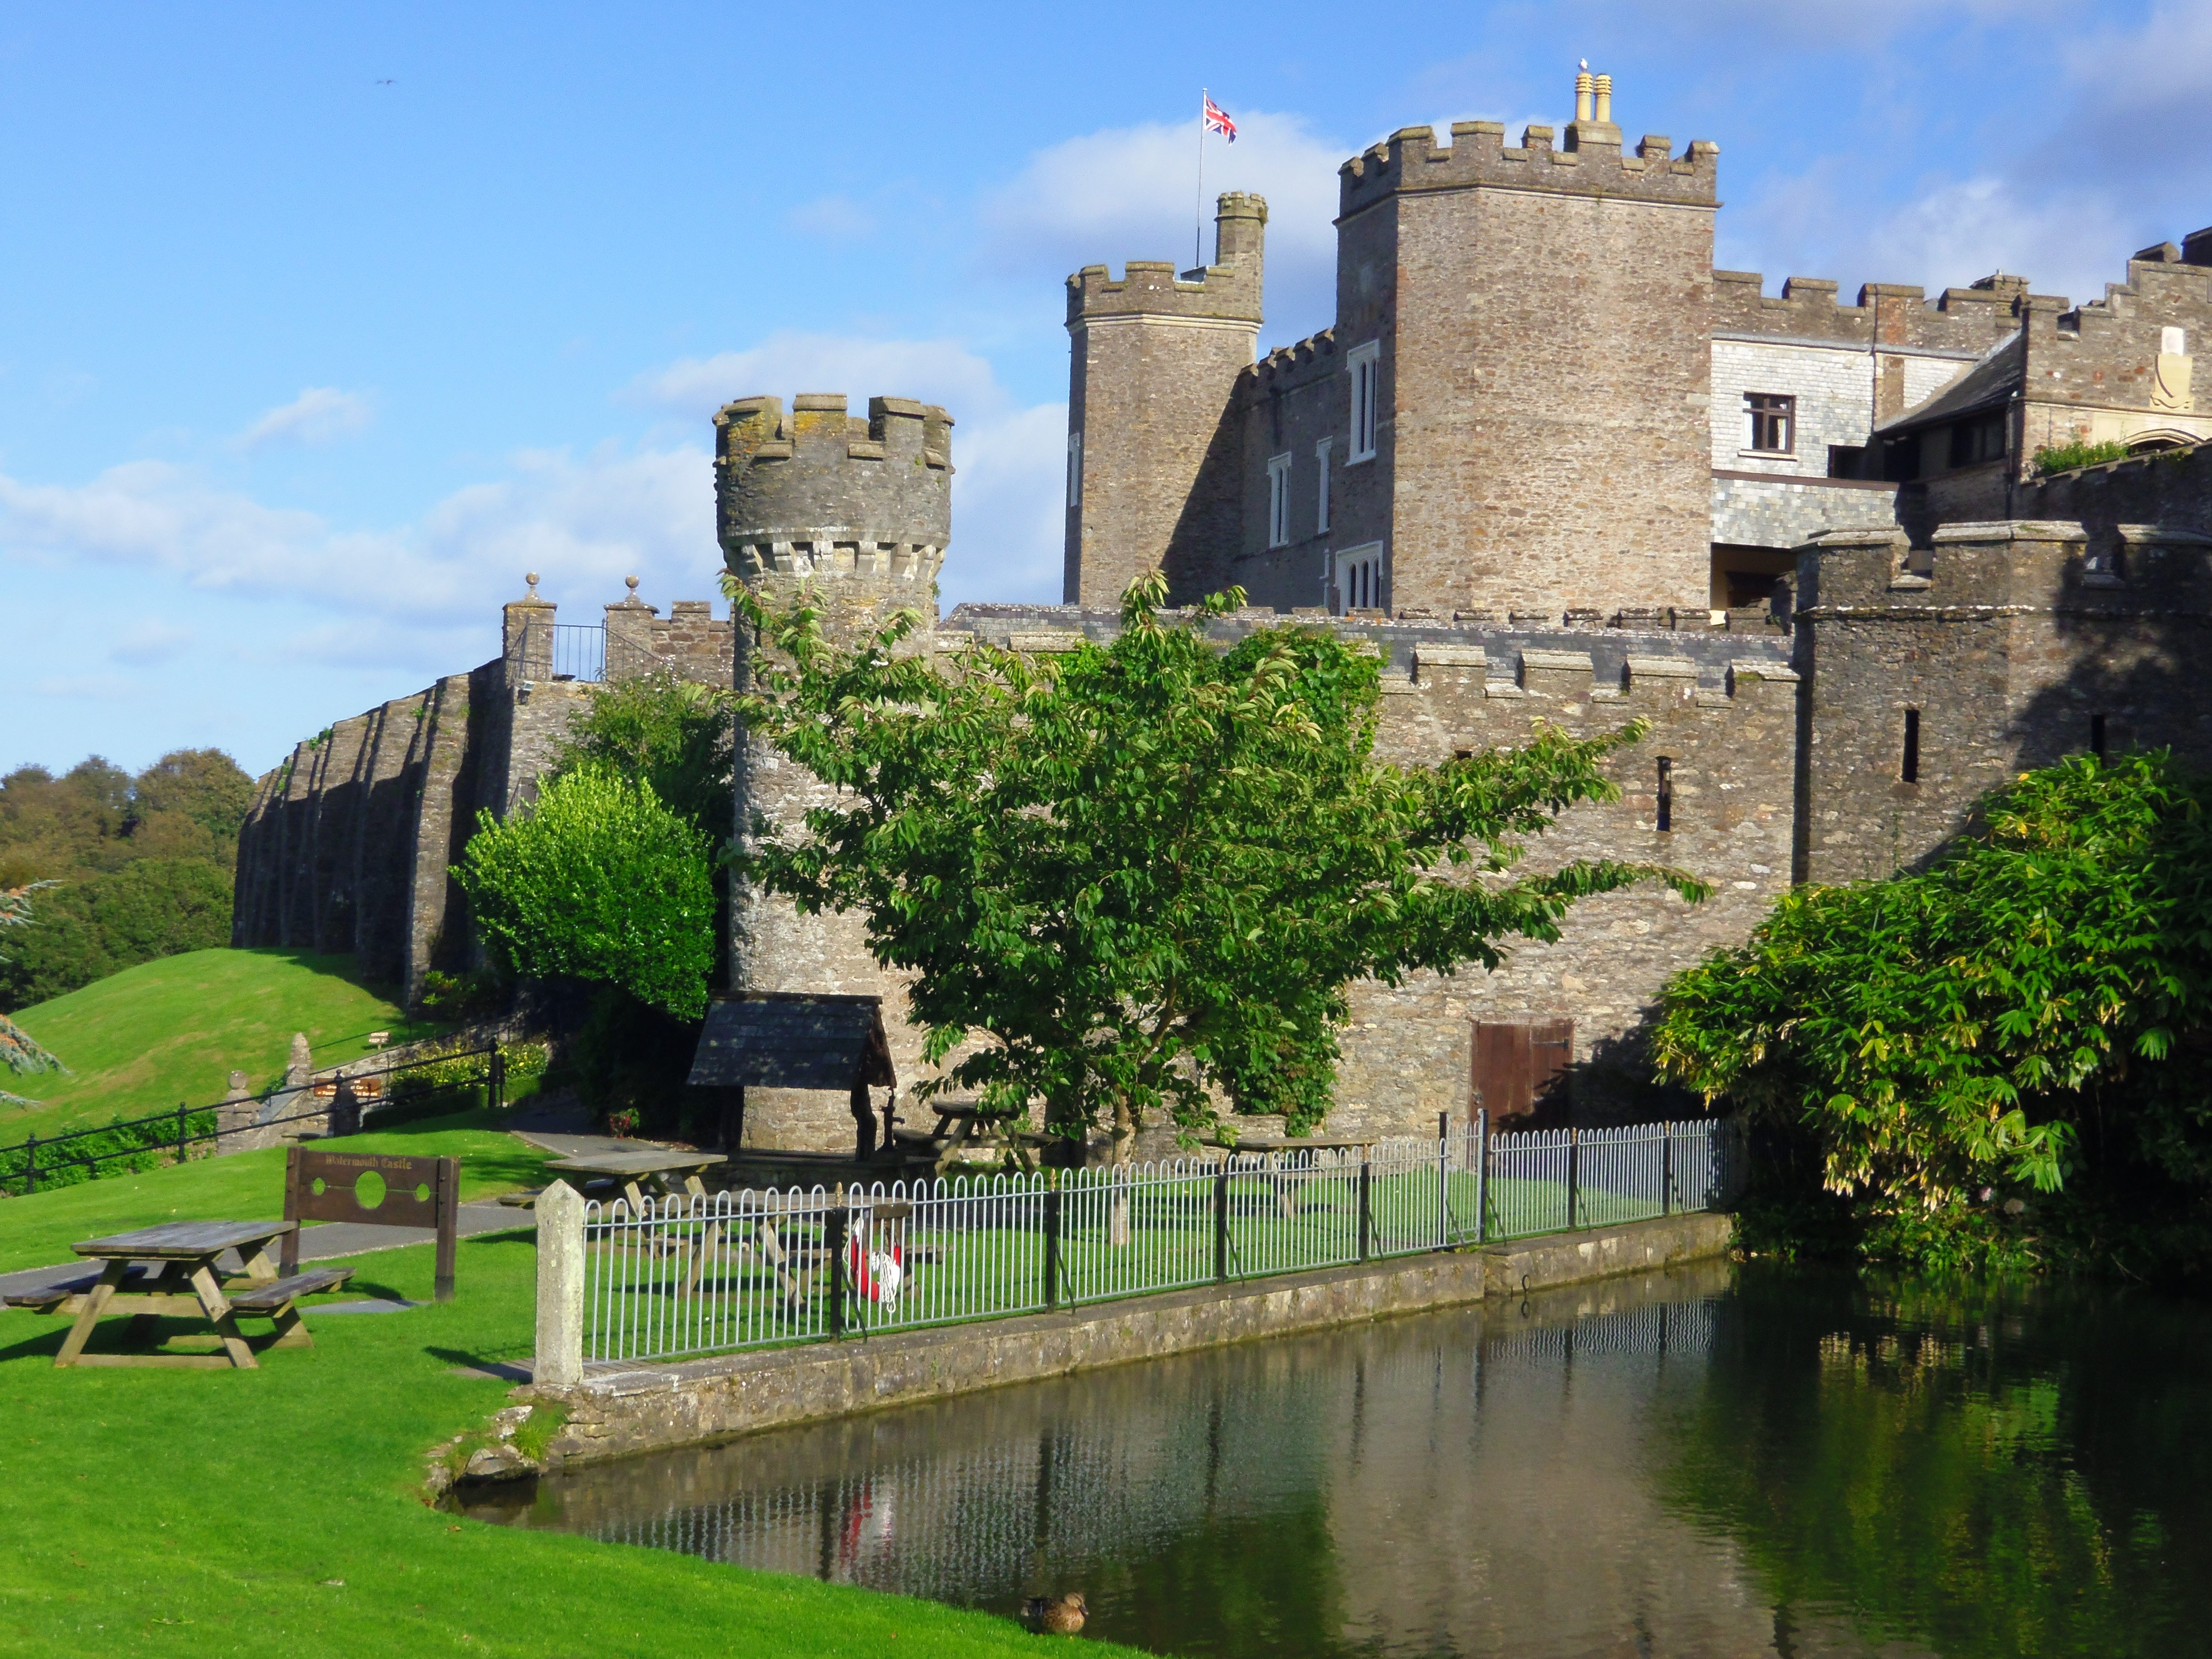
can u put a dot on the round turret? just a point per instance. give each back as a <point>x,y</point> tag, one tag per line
<point>822,493</point>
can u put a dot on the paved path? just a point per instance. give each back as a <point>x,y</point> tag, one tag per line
<point>320,1243</point>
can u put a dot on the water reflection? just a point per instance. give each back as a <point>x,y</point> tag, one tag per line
<point>1670,1466</point>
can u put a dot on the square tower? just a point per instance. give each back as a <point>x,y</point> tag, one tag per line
<point>1152,462</point>
<point>1534,325</point>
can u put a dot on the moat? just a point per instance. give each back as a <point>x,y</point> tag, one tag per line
<point>1714,1462</point>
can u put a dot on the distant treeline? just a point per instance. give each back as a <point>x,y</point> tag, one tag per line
<point>141,867</point>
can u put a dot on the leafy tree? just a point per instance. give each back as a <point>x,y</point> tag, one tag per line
<point>1960,1030</point>
<point>598,881</point>
<point>87,929</point>
<point>88,830</point>
<point>204,786</point>
<point>672,734</point>
<point>1145,873</point>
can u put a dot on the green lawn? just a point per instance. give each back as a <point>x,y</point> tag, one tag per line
<point>243,1187</point>
<point>145,1039</point>
<point>276,1512</point>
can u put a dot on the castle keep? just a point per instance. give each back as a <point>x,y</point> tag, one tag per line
<point>1555,468</point>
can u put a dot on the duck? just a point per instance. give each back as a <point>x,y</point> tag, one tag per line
<point>1062,1615</point>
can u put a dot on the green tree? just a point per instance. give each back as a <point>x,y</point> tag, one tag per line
<point>672,734</point>
<point>597,881</point>
<point>89,929</point>
<point>88,830</point>
<point>1146,873</point>
<point>1943,1033</point>
<point>203,786</point>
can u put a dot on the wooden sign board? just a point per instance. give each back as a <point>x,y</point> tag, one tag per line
<point>377,1188</point>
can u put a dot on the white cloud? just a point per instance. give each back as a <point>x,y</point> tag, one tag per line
<point>1130,193</point>
<point>582,521</point>
<point>1008,524</point>
<point>320,415</point>
<point>152,640</point>
<point>839,218</point>
<point>2071,243</point>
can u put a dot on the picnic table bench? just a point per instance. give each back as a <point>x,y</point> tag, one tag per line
<point>183,1281</point>
<point>677,1173</point>
<point>967,1125</point>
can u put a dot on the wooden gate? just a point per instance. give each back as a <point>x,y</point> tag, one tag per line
<point>1516,1066</point>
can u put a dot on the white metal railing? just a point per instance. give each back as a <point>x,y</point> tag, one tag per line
<point>751,1268</point>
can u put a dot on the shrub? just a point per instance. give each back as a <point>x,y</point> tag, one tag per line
<point>598,881</point>
<point>2064,457</point>
<point>1983,1054</point>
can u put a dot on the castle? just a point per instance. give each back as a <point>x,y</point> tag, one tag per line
<point>1556,468</point>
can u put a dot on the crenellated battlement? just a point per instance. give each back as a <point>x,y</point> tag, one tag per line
<point>1294,361</point>
<point>1967,320</point>
<point>1590,163</point>
<point>818,491</point>
<point>1228,290</point>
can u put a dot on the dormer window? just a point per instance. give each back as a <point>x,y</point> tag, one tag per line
<point>1773,420</point>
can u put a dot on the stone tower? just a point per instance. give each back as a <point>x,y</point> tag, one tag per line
<point>1152,462</point>
<point>860,512</point>
<point>1540,320</point>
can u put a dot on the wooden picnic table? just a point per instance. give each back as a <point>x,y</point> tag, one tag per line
<point>677,1173</point>
<point>187,1252</point>
<point>960,1127</point>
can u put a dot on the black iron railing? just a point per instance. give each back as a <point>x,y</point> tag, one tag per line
<point>434,1085</point>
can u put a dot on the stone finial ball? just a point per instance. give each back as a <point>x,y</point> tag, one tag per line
<point>631,582</point>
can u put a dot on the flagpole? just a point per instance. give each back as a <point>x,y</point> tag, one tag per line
<point>1198,210</point>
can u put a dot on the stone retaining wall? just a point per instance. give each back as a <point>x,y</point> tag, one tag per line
<point>616,1413</point>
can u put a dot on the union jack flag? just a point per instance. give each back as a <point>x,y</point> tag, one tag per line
<point>1217,119</point>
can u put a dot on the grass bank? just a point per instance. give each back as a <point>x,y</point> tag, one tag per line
<point>169,1032</point>
<point>276,1512</point>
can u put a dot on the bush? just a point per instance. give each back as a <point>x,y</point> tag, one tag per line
<point>629,1062</point>
<point>2064,457</point>
<point>598,881</point>
<point>1979,1056</point>
<point>118,1149</point>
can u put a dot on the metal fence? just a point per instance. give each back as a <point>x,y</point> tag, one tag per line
<point>745,1269</point>
<point>339,1105</point>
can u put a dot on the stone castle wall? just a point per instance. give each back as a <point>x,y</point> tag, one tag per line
<point>855,515</point>
<point>2007,646</point>
<point>1724,713</point>
<point>348,845</point>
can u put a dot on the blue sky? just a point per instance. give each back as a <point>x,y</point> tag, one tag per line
<point>327,323</point>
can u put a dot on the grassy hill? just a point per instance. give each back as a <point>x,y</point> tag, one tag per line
<point>169,1032</point>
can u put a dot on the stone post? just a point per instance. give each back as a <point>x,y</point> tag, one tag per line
<point>237,1117</point>
<point>560,1361</point>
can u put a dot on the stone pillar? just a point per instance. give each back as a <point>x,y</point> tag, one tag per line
<point>237,1117</point>
<point>560,1362</point>
<point>630,624</point>
<point>527,636</point>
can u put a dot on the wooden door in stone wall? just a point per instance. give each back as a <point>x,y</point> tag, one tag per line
<point>1518,1066</point>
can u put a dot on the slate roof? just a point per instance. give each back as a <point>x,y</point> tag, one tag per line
<point>1988,385</point>
<point>793,1042</point>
